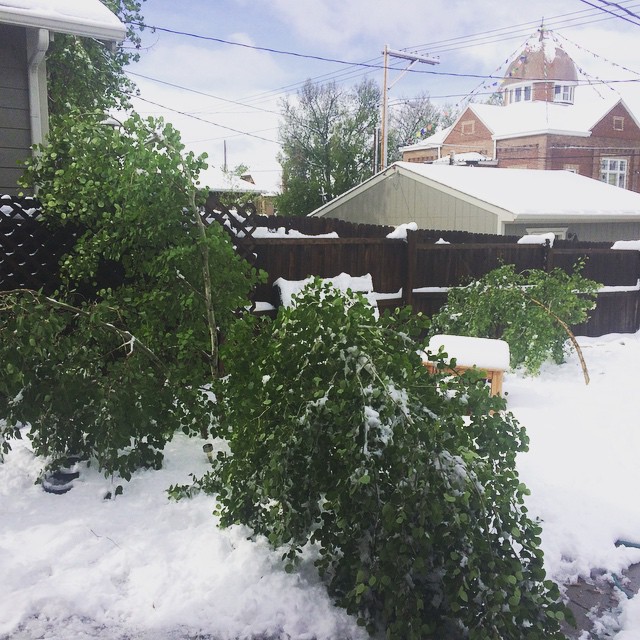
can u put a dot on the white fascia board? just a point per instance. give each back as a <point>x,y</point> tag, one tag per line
<point>578,216</point>
<point>113,31</point>
<point>542,132</point>
<point>503,215</point>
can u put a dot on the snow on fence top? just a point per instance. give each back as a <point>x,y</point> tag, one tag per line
<point>400,232</point>
<point>627,245</point>
<point>538,238</point>
<point>342,282</point>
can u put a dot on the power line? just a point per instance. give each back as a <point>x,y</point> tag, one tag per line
<point>616,15</point>
<point>255,47</point>
<point>355,67</point>
<point>619,6</point>
<point>201,93</point>
<point>215,124</point>
<point>504,33</point>
<point>305,55</point>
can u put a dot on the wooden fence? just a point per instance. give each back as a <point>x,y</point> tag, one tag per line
<point>434,267</point>
<point>415,271</point>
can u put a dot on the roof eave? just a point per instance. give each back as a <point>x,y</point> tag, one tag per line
<point>59,25</point>
<point>542,132</point>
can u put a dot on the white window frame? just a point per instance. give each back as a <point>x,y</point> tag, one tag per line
<point>618,120</point>
<point>614,171</point>
<point>563,93</point>
<point>559,232</point>
<point>520,93</point>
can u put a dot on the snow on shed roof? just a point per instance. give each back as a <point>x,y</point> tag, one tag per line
<point>531,194</point>
<point>89,18</point>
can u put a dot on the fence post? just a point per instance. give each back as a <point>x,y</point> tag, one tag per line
<point>547,257</point>
<point>408,285</point>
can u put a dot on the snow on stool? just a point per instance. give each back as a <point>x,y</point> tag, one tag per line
<point>487,355</point>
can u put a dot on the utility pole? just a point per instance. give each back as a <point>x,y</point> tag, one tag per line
<point>413,58</point>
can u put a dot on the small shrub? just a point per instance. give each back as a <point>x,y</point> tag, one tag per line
<point>405,484</point>
<point>527,310</point>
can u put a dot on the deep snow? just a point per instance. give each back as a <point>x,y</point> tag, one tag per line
<point>142,567</point>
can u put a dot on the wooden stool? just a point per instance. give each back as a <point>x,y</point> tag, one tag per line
<point>490,357</point>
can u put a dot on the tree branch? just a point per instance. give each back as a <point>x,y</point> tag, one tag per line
<point>572,337</point>
<point>129,339</point>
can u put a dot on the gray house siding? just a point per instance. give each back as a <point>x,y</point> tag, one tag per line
<point>398,200</point>
<point>15,132</point>
<point>588,232</point>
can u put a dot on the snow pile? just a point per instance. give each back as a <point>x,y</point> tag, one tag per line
<point>400,232</point>
<point>483,353</point>
<point>441,241</point>
<point>78,566</point>
<point>538,238</point>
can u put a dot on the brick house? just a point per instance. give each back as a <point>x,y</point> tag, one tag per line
<point>545,121</point>
<point>26,28</point>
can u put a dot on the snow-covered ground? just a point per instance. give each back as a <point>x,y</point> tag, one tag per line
<point>141,567</point>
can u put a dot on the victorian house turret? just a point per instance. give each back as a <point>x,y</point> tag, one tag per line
<point>545,120</point>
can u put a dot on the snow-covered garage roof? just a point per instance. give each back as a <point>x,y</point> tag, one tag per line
<point>531,193</point>
<point>89,18</point>
<point>515,195</point>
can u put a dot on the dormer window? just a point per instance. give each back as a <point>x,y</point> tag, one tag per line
<point>563,93</point>
<point>521,93</point>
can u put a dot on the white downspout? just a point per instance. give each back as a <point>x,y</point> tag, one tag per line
<point>37,46</point>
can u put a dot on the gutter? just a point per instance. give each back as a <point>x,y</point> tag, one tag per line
<point>37,46</point>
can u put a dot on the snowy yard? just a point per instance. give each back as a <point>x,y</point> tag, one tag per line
<point>78,566</point>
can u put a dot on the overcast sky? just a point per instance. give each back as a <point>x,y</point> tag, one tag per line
<point>244,85</point>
